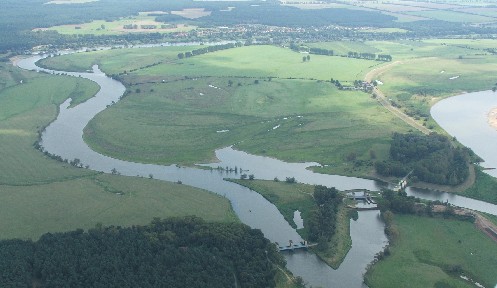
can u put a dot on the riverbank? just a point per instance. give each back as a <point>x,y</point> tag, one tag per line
<point>292,197</point>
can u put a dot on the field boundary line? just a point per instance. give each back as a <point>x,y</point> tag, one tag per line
<point>382,99</point>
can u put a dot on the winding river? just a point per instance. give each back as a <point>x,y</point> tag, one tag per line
<point>63,137</point>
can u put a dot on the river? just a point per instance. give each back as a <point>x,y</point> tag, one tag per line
<point>63,137</point>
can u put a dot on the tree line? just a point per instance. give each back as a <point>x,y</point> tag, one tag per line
<point>369,56</point>
<point>208,49</point>
<point>180,252</point>
<point>432,158</point>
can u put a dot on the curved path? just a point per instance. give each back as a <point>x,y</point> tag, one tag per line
<point>380,96</point>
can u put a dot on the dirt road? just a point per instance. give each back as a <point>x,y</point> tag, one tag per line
<point>370,76</point>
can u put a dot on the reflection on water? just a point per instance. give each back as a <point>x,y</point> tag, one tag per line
<point>297,219</point>
<point>465,117</point>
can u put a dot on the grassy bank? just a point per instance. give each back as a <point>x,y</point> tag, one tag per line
<point>291,197</point>
<point>39,195</point>
<point>434,252</point>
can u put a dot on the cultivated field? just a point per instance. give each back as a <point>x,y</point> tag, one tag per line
<point>39,195</point>
<point>101,27</point>
<point>434,252</point>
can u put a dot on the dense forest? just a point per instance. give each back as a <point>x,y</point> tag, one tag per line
<point>183,252</point>
<point>322,222</point>
<point>432,158</point>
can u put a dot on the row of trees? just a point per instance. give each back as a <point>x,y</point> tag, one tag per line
<point>369,56</point>
<point>184,252</point>
<point>209,49</point>
<point>321,51</point>
<point>322,222</point>
<point>432,158</point>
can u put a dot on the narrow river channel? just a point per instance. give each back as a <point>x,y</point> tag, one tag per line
<point>63,137</point>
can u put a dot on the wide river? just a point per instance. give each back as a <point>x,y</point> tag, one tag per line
<point>63,137</point>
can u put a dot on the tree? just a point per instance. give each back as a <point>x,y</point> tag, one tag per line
<point>290,180</point>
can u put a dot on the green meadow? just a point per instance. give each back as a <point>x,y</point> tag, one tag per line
<point>434,252</point>
<point>268,101</point>
<point>271,102</point>
<point>39,195</point>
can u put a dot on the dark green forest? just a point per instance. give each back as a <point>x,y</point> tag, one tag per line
<point>432,158</point>
<point>322,221</point>
<point>181,252</point>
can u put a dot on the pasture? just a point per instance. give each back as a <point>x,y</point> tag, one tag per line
<point>39,194</point>
<point>434,252</point>
<point>248,91</point>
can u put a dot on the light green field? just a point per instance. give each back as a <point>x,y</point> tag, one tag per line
<point>263,61</point>
<point>429,247</point>
<point>419,83</point>
<point>453,16</point>
<point>101,27</point>
<point>179,115</point>
<point>182,124</point>
<point>249,61</point>
<point>38,194</point>
<point>343,47</point>
<point>115,61</point>
<point>30,211</point>
<point>291,197</point>
<point>24,110</point>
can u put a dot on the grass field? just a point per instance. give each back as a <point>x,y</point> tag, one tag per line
<point>430,247</point>
<point>249,61</point>
<point>453,16</point>
<point>101,27</point>
<point>291,197</point>
<point>30,211</point>
<point>38,194</point>
<point>219,93</point>
<point>183,117</point>
<point>24,110</point>
<point>114,61</point>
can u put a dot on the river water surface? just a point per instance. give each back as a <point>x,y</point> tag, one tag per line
<point>63,137</point>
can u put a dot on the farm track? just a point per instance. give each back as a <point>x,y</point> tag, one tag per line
<point>382,99</point>
<point>486,226</point>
